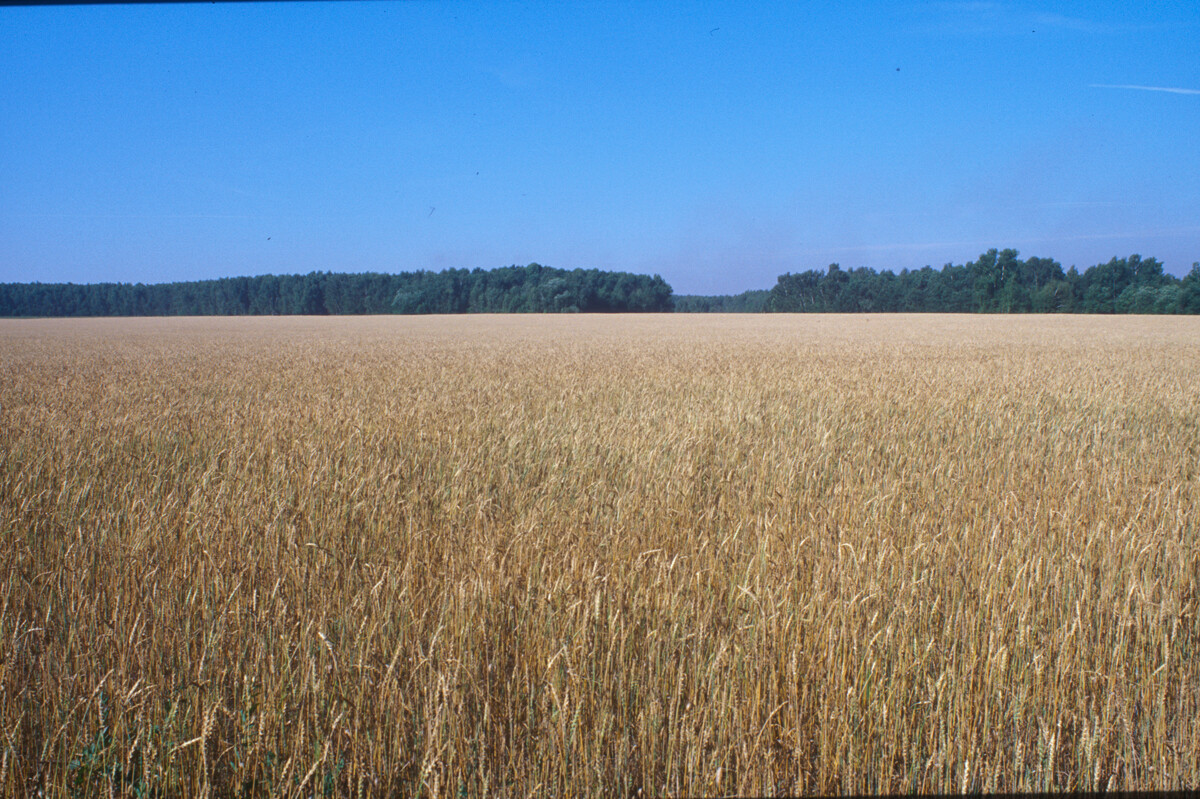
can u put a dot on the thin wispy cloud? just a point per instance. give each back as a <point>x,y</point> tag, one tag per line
<point>1078,24</point>
<point>1170,89</point>
<point>1080,204</point>
<point>125,216</point>
<point>979,17</point>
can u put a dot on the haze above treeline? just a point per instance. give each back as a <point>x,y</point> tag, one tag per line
<point>999,281</point>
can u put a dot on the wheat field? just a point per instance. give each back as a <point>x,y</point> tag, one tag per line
<point>592,555</point>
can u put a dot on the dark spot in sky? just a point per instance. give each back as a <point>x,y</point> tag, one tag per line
<point>431,210</point>
<point>897,69</point>
<point>714,30</point>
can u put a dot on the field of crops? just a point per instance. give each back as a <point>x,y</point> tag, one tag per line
<point>695,555</point>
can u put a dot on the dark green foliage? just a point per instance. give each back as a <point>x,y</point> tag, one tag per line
<point>746,302</point>
<point>997,282</point>
<point>531,289</point>
<point>513,289</point>
<point>1189,291</point>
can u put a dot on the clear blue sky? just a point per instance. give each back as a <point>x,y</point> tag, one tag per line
<point>717,144</point>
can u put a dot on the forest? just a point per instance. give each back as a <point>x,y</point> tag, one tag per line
<point>513,289</point>
<point>999,281</point>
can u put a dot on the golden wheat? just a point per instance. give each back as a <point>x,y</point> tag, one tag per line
<point>586,555</point>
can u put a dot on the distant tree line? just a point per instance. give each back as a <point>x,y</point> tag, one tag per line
<point>513,289</point>
<point>997,282</point>
<point>530,289</point>
<point>747,302</point>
